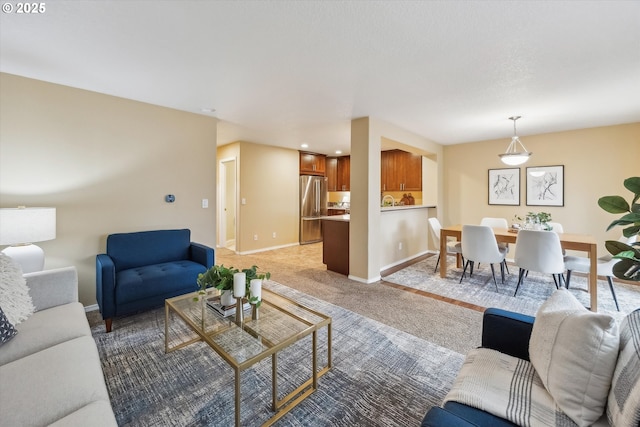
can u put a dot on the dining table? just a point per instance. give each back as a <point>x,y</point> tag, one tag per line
<point>569,241</point>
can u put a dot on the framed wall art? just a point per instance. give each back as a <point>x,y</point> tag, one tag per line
<point>504,186</point>
<point>545,186</point>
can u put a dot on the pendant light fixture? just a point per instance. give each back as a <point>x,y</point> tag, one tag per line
<point>512,157</point>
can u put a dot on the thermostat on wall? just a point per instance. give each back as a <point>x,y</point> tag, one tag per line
<point>169,198</point>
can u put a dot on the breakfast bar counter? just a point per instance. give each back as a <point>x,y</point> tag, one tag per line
<point>335,246</point>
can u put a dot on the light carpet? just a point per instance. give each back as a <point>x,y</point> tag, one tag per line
<point>480,290</point>
<point>380,377</point>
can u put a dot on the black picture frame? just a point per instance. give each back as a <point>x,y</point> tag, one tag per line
<point>504,186</point>
<point>545,185</point>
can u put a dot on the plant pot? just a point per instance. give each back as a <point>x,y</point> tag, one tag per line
<point>226,298</point>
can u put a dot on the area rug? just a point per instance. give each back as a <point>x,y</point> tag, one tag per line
<point>380,377</point>
<point>480,290</point>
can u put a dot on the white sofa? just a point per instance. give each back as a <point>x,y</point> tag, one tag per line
<point>50,372</point>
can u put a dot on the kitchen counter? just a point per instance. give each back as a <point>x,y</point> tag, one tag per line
<point>405,207</point>
<point>335,243</point>
<point>344,218</point>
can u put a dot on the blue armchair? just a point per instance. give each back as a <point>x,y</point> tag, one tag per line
<point>506,332</point>
<point>140,270</point>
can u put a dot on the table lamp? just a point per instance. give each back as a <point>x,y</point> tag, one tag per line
<point>21,227</point>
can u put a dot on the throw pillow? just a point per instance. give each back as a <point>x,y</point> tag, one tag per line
<point>574,351</point>
<point>623,408</point>
<point>7,331</point>
<point>14,293</point>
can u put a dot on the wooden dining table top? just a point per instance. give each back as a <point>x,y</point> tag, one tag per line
<point>568,240</point>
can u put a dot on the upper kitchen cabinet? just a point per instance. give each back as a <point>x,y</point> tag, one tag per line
<point>312,163</point>
<point>332,174</point>
<point>344,173</point>
<point>339,173</point>
<point>400,171</point>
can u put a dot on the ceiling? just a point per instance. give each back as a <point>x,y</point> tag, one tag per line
<point>290,72</point>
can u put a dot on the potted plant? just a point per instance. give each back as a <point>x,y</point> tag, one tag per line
<point>221,278</point>
<point>628,268</point>
<point>533,218</point>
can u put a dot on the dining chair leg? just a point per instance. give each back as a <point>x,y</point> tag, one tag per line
<point>613,292</point>
<point>568,278</point>
<point>437,262</point>
<point>502,266</point>
<point>555,281</point>
<point>493,273</point>
<point>466,264</point>
<point>521,275</point>
<point>506,266</point>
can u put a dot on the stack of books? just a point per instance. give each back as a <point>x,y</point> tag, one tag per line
<point>225,310</point>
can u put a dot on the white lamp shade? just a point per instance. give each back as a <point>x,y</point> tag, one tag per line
<point>514,159</point>
<point>27,225</point>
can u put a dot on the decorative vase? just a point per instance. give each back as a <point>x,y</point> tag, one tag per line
<point>226,298</point>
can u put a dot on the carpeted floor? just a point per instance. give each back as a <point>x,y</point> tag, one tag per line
<point>300,267</point>
<point>398,345</point>
<point>380,377</point>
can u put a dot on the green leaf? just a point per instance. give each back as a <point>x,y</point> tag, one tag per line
<point>631,231</point>
<point>627,269</point>
<point>615,247</point>
<point>614,204</point>
<point>633,184</point>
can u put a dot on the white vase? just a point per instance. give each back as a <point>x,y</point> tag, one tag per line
<point>226,298</point>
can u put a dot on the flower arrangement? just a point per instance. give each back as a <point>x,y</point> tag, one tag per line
<point>532,219</point>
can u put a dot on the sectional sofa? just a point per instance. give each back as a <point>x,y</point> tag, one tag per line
<point>50,371</point>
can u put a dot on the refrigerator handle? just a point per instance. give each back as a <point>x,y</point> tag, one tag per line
<point>317,197</point>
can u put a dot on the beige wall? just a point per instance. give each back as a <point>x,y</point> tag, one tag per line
<point>368,252</point>
<point>596,161</point>
<point>268,182</point>
<point>106,164</point>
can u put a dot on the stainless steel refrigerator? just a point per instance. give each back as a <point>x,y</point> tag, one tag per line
<point>313,205</point>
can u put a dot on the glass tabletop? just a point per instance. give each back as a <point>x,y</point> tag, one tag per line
<point>281,321</point>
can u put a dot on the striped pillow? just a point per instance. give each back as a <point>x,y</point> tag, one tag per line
<point>623,406</point>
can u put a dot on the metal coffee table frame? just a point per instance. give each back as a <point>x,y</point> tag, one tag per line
<point>230,341</point>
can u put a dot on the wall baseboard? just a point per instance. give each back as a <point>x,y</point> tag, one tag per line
<point>92,307</point>
<point>267,249</point>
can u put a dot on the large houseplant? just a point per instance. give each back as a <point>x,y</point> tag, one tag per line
<point>628,268</point>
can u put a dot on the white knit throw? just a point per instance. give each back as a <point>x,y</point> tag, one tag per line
<point>14,293</point>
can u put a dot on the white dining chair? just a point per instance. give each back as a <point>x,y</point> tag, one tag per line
<point>556,227</point>
<point>605,267</point>
<point>497,223</point>
<point>539,251</point>
<point>479,245</point>
<point>453,248</point>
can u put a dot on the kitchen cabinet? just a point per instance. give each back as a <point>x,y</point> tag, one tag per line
<point>400,171</point>
<point>344,173</point>
<point>332,173</point>
<point>339,173</point>
<point>335,211</point>
<point>312,163</point>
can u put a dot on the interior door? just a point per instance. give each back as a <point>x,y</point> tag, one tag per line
<point>228,203</point>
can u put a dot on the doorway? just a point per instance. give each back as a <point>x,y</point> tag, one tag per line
<point>227,214</point>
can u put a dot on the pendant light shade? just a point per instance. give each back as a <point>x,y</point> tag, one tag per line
<point>512,156</point>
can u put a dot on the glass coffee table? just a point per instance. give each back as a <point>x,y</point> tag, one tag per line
<point>281,322</point>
